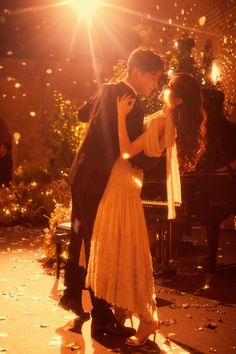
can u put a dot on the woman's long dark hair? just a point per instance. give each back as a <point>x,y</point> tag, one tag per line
<point>189,118</point>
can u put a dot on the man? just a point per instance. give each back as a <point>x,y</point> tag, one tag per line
<point>5,164</point>
<point>90,172</point>
<point>5,154</point>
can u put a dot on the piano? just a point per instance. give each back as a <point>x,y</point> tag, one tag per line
<point>208,198</point>
<point>208,194</point>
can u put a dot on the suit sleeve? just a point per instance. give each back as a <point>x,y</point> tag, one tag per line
<point>86,110</point>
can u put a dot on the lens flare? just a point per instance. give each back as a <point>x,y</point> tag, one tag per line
<point>166,96</point>
<point>85,9</point>
<point>215,73</point>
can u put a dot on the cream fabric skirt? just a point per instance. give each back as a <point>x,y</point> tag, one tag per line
<point>120,265</point>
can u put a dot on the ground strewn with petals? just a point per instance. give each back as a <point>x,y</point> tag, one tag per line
<point>192,320</point>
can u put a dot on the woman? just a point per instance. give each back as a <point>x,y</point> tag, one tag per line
<point>120,266</point>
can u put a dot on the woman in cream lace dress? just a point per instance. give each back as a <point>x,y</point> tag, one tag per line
<point>120,265</point>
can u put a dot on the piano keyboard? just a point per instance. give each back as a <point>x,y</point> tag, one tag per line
<point>157,203</point>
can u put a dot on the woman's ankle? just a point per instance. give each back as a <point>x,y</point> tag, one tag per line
<point>146,325</point>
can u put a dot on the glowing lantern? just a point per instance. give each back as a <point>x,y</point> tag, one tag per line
<point>16,137</point>
<point>215,73</point>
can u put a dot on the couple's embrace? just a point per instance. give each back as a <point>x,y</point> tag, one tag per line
<point>106,181</point>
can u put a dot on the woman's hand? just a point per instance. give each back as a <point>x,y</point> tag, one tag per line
<point>125,104</point>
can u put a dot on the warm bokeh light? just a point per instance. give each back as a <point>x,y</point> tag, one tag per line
<point>86,8</point>
<point>138,181</point>
<point>215,73</point>
<point>170,72</point>
<point>126,156</point>
<point>202,20</point>
<point>166,97</point>
<point>16,137</point>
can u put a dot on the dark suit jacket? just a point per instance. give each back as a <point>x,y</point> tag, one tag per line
<point>5,136</point>
<point>100,148</point>
<point>5,161</point>
<point>5,169</point>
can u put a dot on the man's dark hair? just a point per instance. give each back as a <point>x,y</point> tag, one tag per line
<point>146,60</point>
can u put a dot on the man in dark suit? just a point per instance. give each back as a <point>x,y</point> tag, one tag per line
<point>6,163</point>
<point>90,172</point>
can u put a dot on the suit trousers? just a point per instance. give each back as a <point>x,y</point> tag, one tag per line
<point>74,273</point>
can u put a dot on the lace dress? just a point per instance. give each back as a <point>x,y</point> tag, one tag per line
<point>120,266</point>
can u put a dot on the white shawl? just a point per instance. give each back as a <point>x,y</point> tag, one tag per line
<point>155,145</point>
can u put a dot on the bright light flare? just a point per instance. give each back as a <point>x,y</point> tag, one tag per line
<point>85,8</point>
<point>138,181</point>
<point>16,137</point>
<point>215,73</point>
<point>170,72</point>
<point>125,156</point>
<point>166,97</point>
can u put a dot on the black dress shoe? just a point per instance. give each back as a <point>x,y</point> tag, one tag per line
<point>113,328</point>
<point>73,306</point>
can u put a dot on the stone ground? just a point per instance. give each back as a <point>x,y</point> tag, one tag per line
<point>194,319</point>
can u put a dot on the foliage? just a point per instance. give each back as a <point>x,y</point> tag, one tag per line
<point>151,104</point>
<point>119,70</point>
<point>178,52</point>
<point>31,203</point>
<point>65,133</point>
<point>26,173</point>
<point>60,214</point>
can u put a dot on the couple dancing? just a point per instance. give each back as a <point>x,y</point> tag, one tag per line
<point>106,180</point>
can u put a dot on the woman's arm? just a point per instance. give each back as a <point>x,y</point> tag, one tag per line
<point>128,149</point>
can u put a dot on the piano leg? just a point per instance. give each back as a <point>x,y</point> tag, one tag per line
<point>168,237</point>
<point>213,230</point>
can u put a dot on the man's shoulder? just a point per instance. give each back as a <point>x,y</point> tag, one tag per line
<point>114,89</point>
<point>107,88</point>
<point>111,86</point>
<point>118,85</point>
